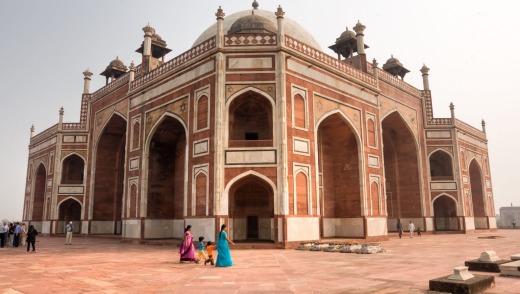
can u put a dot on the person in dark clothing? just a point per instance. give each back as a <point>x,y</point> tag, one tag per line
<point>399,228</point>
<point>10,235</point>
<point>31,238</point>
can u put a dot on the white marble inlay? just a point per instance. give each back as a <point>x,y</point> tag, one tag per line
<point>200,147</point>
<point>251,157</point>
<point>301,145</point>
<point>373,161</point>
<point>438,134</point>
<point>443,186</point>
<point>244,63</point>
<point>70,190</point>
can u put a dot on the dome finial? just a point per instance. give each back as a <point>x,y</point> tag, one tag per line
<point>255,4</point>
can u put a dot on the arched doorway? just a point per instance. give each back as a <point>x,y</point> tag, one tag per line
<point>72,170</point>
<point>251,210</point>
<point>250,121</point>
<point>445,214</point>
<point>477,196</point>
<point>166,170</point>
<point>40,184</point>
<point>109,177</point>
<point>441,166</point>
<point>340,184</point>
<point>401,171</point>
<point>69,211</point>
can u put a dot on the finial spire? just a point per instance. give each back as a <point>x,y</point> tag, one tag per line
<point>255,4</point>
<point>279,12</point>
<point>220,13</point>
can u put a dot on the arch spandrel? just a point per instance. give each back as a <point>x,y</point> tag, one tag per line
<point>408,114</point>
<point>178,109</point>
<point>67,153</point>
<point>232,90</point>
<point>323,107</point>
<point>102,120</point>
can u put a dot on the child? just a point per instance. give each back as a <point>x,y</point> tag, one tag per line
<point>210,249</point>
<point>201,254</point>
<point>419,231</point>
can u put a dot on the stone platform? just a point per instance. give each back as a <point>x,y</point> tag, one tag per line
<point>485,266</point>
<point>99,265</point>
<point>477,284</point>
<point>510,269</point>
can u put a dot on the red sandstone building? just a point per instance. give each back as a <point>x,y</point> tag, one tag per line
<point>256,127</point>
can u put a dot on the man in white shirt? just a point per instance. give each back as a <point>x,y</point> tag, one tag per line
<point>411,227</point>
<point>3,232</point>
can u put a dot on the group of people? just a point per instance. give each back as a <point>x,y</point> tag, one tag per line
<point>411,228</point>
<point>16,234</point>
<point>187,250</point>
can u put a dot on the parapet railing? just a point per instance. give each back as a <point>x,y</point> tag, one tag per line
<point>122,80</point>
<point>250,40</point>
<point>44,135</point>
<point>330,61</point>
<point>395,81</point>
<point>430,120</point>
<point>470,129</point>
<point>175,62</point>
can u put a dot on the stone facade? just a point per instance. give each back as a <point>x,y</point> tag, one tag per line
<point>263,131</point>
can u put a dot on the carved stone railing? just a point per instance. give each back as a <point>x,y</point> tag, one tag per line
<point>175,62</point>
<point>122,80</point>
<point>250,143</point>
<point>393,80</point>
<point>250,40</point>
<point>44,135</point>
<point>430,120</point>
<point>329,60</point>
<point>73,126</point>
<point>470,129</point>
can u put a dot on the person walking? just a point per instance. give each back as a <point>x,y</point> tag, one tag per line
<point>187,250</point>
<point>31,238</point>
<point>224,255</point>
<point>3,232</point>
<point>201,255</point>
<point>411,227</point>
<point>24,234</point>
<point>69,228</point>
<point>17,233</point>
<point>514,224</point>
<point>210,249</point>
<point>399,228</point>
<point>10,235</point>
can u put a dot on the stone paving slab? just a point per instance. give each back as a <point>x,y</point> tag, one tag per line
<point>101,265</point>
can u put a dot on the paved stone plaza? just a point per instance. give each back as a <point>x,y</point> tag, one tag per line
<point>96,265</point>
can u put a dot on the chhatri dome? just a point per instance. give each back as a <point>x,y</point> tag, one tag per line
<point>264,21</point>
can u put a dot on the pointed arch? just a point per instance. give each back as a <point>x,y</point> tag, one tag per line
<point>251,208</point>
<point>72,169</point>
<point>402,167</point>
<point>107,174</point>
<point>441,165</point>
<point>151,201</point>
<point>250,122</point>
<point>478,195</point>
<point>445,213</point>
<point>39,194</point>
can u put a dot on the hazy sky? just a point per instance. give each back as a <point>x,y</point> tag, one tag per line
<point>472,48</point>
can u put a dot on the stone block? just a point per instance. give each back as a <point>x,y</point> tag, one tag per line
<point>515,257</point>
<point>485,266</point>
<point>371,248</point>
<point>460,273</point>
<point>488,256</point>
<point>510,269</point>
<point>477,284</point>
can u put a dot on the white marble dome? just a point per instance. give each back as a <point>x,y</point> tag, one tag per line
<point>291,28</point>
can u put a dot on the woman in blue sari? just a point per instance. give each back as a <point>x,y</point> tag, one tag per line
<point>224,256</point>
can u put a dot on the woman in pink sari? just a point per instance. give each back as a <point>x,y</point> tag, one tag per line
<point>187,250</point>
